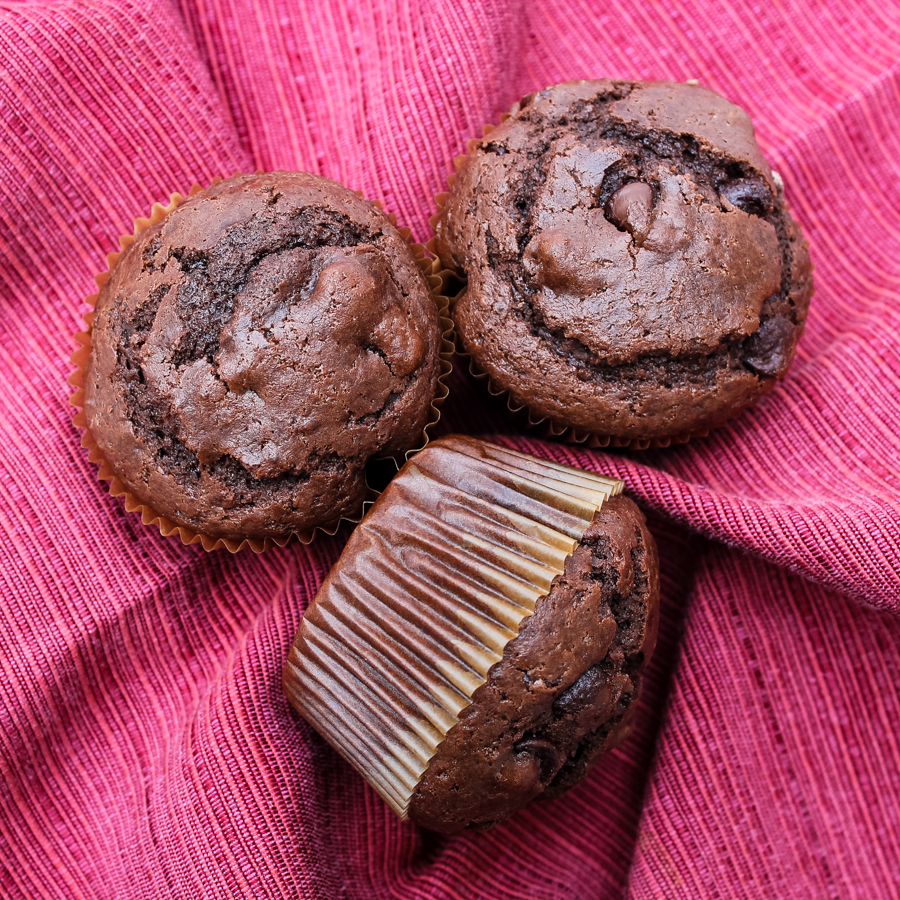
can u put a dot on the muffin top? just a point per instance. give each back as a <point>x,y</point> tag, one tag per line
<point>565,689</point>
<point>254,349</point>
<point>632,267</point>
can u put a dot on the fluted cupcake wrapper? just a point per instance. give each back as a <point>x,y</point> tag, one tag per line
<point>543,425</point>
<point>425,598</point>
<point>429,268</point>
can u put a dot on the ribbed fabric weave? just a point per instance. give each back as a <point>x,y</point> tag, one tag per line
<point>146,750</point>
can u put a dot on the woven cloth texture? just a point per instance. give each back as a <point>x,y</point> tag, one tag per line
<point>146,750</point>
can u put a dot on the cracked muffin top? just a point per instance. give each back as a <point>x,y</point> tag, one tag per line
<point>632,267</point>
<point>255,349</point>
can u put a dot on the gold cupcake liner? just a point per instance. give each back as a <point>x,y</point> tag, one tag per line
<point>545,426</point>
<point>166,526</point>
<point>432,586</point>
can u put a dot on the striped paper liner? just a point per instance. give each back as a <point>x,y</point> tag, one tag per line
<point>432,586</point>
<point>434,276</point>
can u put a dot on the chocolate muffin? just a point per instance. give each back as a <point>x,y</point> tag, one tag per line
<point>480,642</point>
<point>633,270</point>
<point>252,351</point>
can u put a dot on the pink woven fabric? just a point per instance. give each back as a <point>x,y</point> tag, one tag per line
<point>145,748</point>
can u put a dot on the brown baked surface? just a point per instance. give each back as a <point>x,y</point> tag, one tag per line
<point>632,267</point>
<point>564,691</point>
<point>252,351</point>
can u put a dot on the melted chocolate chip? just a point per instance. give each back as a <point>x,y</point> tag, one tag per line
<point>616,175</point>
<point>546,754</point>
<point>582,693</point>
<point>770,349</point>
<point>751,196</point>
<point>629,208</point>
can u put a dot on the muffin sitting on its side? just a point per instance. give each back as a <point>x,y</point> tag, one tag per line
<point>254,349</point>
<point>633,271</point>
<point>482,639</point>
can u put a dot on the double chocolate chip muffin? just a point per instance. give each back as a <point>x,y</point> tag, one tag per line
<point>633,270</point>
<point>480,642</point>
<point>252,351</point>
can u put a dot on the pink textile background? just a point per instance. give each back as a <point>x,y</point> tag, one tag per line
<point>145,748</point>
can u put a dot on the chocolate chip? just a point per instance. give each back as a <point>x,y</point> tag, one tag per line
<point>629,208</point>
<point>751,196</point>
<point>546,754</point>
<point>582,693</point>
<point>769,351</point>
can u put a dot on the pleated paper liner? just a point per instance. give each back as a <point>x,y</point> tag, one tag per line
<point>166,526</point>
<point>543,425</point>
<point>432,586</point>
